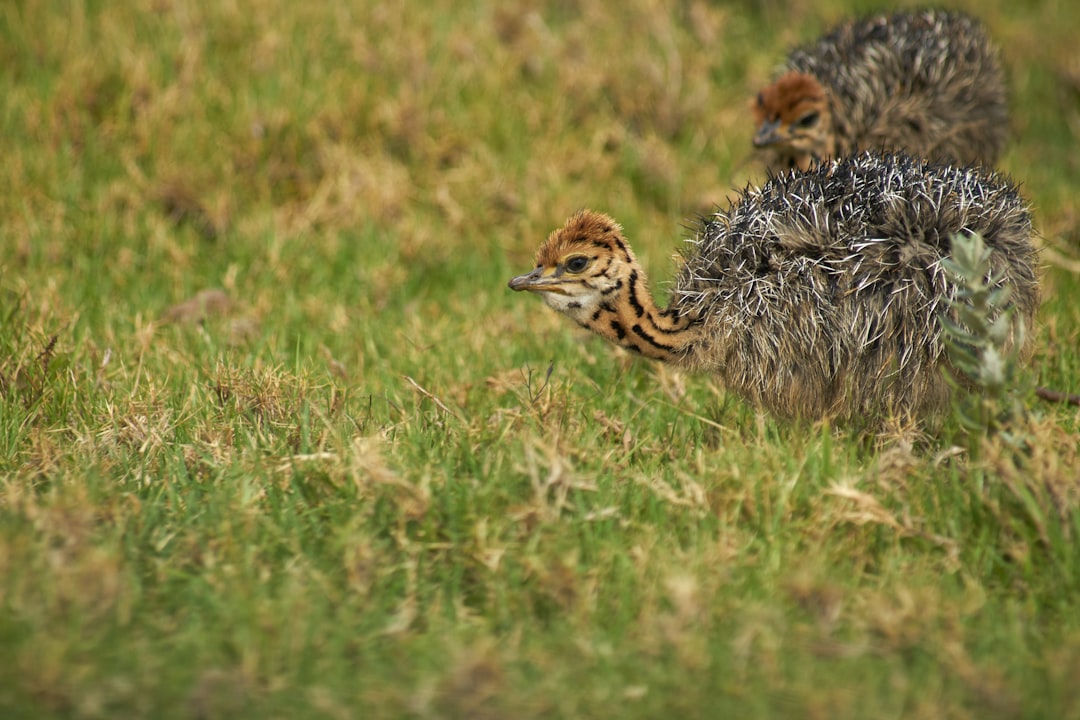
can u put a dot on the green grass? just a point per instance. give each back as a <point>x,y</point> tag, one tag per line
<point>364,479</point>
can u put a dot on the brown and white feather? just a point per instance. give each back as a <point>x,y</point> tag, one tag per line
<point>929,83</point>
<point>818,294</point>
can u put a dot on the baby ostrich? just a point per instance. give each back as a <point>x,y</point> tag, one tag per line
<point>928,83</point>
<point>816,295</point>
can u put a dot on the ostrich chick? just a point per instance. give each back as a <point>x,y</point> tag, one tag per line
<point>818,294</point>
<point>928,83</point>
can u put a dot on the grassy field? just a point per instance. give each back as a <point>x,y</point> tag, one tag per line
<point>277,441</point>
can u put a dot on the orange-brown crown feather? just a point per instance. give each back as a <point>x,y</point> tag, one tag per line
<point>585,230</point>
<point>788,98</point>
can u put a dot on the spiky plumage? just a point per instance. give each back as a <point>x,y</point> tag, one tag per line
<point>816,295</point>
<point>928,83</point>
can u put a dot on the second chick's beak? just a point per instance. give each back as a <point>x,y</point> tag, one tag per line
<point>768,133</point>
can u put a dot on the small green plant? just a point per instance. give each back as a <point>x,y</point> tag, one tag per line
<point>983,335</point>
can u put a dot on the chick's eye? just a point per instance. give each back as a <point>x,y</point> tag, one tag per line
<point>577,263</point>
<point>808,120</point>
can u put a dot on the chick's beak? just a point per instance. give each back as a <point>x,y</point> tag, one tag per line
<point>536,281</point>
<point>768,133</point>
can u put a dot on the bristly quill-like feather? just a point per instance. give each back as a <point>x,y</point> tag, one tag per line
<point>818,294</point>
<point>928,83</point>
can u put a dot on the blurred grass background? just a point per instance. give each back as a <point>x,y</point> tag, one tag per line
<point>276,440</point>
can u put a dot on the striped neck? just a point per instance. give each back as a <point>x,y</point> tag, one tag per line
<point>629,318</point>
<point>587,271</point>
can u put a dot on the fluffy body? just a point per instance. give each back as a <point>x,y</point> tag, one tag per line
<point>818,294</point>
<point>928,83</point>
